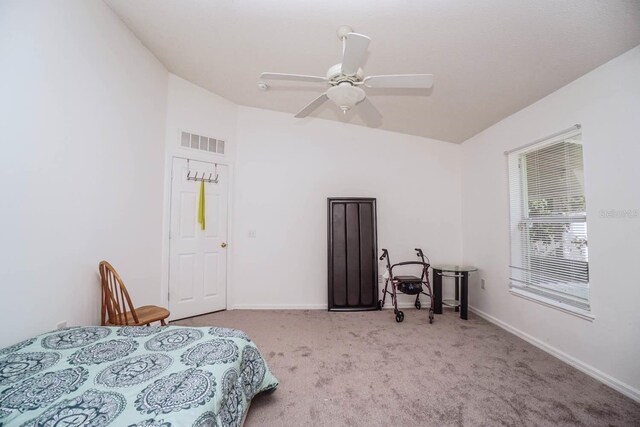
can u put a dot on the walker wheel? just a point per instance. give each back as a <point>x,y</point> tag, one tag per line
<point>418,305</point>
<point>430,316</point>
<point>380,304</point>
<point>399,316</point>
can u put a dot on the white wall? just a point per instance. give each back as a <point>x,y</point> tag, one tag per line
<point>285,170</point>
<point>82,107</point>
<point>606,102</point>
<point>193,109</point>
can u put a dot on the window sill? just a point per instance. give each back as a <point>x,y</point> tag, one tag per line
<point>583,314</point>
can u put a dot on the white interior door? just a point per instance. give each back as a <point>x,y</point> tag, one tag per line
<point>197,258</point>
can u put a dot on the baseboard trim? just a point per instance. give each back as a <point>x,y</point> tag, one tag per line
<point>388,305</point>
<point>614,383</point>
<point>401,305</point>
<point>278,307</point>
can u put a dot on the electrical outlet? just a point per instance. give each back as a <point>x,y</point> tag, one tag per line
<point>252,234</point>
<point>481,283</point>
<point>61,325</point>
<point>380,278</point>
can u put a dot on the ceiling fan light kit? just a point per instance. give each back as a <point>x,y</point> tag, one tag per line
<point>345,96</point>
<point>345,79</point>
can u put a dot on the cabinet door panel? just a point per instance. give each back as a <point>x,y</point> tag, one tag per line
<point>339,273</point>
<point>367,256</point>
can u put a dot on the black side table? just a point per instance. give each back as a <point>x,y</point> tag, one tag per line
<point>462,295</point>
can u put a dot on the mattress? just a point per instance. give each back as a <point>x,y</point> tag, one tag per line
<point>149,376</point>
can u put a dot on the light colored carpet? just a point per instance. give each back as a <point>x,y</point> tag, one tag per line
<point>364,369</point>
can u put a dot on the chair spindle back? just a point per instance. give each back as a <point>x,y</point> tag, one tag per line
<point>115,298</point>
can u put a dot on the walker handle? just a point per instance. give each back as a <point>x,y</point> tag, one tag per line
<point>385,253</point>
<point>420,254</point>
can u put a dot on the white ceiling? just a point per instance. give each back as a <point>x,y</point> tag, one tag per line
<point>490,58</point>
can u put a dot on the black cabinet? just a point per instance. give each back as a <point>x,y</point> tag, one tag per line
<point>352,246</point>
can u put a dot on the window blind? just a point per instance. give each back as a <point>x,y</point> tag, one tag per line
<point>549,252</point>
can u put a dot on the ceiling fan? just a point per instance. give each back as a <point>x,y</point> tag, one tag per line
<point>346,79</point>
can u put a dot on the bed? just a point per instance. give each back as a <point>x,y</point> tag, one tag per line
<point>149,376</point>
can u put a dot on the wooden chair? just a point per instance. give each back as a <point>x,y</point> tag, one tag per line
<point>117,308</point>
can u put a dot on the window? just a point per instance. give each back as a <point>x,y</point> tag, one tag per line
<point>549,251</point>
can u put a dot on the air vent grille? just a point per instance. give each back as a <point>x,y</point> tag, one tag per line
<point>199,142</point>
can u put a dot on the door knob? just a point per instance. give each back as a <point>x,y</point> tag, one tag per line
<point>223,244</point>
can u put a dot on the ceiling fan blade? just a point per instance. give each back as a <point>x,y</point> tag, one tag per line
<point>354,50</point>
<point>370,113</point>
<point>312,106</point>
<point>404,81</point>
<point>293,77</point>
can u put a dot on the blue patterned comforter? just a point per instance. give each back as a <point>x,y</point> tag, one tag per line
<point>131,376</point>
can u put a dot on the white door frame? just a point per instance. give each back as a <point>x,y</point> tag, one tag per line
<point>191,154</point>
